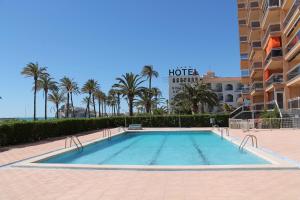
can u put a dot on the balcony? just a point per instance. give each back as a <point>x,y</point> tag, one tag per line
<point>245,90</point>
<point>255,46</point>
<point>291,14</point>
<point>218,89</point>
<point>292,48</point>
<point>257,107</point>
<point>274,29</point>
<point>275,78</point>
<point>294,103</point>
<point>270,11</point>
<point>257,86</point>
<point>293,76</point>
<point>274,55</point>
<point>254,5</point>
<point>256,67</point>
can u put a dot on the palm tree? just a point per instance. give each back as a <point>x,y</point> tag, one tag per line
<point>157,95</point>
<point>144,99</point>
<point>74,89</point>
<point>66,84</point>
<point>193,95</point>
<point>89,88</point>
<point>35,71</point>
<point>87,102</point>
<point>99,95</point>
<point>129,86</point>
<point>57,98</point>
<point>149,72</point>
<point>46,83</point>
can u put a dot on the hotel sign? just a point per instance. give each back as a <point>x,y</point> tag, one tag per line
<point>183,71</point>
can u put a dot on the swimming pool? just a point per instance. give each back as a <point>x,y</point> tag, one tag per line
<point>164,148</point>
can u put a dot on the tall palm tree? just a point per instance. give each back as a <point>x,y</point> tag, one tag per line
<point>46,83</point>
<point>193,95</point>
<point>113,100</point>
<point>156,92</point>
<point>99,95</point>
<point>149,72</point>
<point>145,100</point>
<point>35,71</point>
<point>129,86</point>
<point>66,84</point>
<point>87,102</point>
<point>57,98</point>
<point>89,88</point>
<point>74,89</point>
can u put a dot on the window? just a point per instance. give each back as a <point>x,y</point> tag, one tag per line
<point>242,22</point>
<point>243,39</point>
<point>245,73</point>
<point>229,98</point>
<point>229,87</point>
<point>244,56</point>
<point>255,24</point>
<point>173,80</point>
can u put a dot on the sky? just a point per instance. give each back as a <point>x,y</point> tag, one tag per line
<point>103,39</point>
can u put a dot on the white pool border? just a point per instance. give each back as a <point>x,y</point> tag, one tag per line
<point>277,163</point>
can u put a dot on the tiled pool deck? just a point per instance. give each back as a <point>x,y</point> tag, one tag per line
<point>35,183</point>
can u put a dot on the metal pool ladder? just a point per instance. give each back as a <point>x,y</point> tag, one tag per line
<point>245,140</point>
<point>106,133</point>
<point>75,140</point>
<point>226,130</point>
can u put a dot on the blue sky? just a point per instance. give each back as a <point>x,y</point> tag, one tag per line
<point>103,39</point>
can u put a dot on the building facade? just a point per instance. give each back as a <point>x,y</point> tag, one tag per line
<point>228,89</point>
<point>270,53</point>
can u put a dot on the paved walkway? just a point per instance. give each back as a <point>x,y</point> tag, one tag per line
<point>25,183</point>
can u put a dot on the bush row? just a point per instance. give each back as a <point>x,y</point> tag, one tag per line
<point>20,132</point>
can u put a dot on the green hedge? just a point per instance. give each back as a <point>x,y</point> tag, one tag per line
<point>24,131</point>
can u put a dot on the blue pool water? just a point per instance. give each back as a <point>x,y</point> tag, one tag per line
<point>160,148</point>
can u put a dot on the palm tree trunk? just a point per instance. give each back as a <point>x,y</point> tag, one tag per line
<point>34,101</point>
<point>102,108</point>
<point>119,102</point>
<point>99,108</point>
<point>105,108</point>
<point>130,104</point>
<point>46,93</point>
<point>88,106</point>
<point>150,93</point>
<point>57,110</point>
<point>72,105</point>
<point>94,104</point>
<point>68,102</point>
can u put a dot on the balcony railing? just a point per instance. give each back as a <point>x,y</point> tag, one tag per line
<point>274,78</point>
<point>272,29</point>
<point>258,106</point>
<point>276,52</point>
<point>294,103</point>
<point>256,65</point>
<point>270,4</point>
<point>257,86</point>
<point>293,73</point>
<point>218,89</point>
<point>293,42</point>
<point>245,90</point>
<point>291,12</point>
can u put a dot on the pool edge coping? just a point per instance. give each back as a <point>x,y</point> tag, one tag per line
<point>277,163</point>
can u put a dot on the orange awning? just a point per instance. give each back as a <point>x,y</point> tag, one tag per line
<point>274,42</point>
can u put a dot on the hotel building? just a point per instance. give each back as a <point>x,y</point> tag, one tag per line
<point>228,89</point>
<point>270,54</point>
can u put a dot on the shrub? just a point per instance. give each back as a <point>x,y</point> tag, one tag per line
<point>19,132</point>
